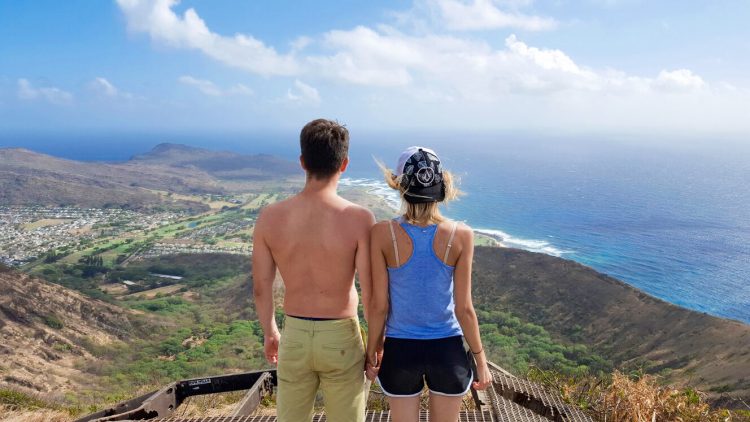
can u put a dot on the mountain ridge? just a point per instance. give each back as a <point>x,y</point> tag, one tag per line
<point>578,304</point>
<point>225,165</point>
<point>31,178</point>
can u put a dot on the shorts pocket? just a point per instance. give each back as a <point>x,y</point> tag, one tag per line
<point>291,354</point>
<point>342,356</point>
<point>290,345</point>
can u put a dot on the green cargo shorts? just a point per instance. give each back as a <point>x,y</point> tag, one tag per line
<point>328,355</point>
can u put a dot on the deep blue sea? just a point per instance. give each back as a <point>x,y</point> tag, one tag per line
<point>670,218</point>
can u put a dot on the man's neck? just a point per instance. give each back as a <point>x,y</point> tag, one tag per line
<point>321,187</point>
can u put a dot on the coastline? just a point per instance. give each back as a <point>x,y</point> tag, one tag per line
<point>379,191</point>
<point>389,200</point>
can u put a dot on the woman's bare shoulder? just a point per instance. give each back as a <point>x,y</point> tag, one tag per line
<point>463,231</point>
<point>381,226</point>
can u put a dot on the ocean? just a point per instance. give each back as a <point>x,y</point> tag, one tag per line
<point>670,218</point>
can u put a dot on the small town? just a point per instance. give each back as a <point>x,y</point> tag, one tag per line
<point>31,231</point>
<point>161,249</point>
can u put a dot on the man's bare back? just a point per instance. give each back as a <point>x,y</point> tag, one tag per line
<point>317,241</point>
<point>314,239</point>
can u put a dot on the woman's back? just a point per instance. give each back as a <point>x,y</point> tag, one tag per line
<point>421,285</point>
<point>421,305</point>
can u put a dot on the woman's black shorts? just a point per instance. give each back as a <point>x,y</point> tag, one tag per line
<point>409,364</point>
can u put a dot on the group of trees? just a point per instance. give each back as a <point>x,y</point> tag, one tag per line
<point>519,346</point>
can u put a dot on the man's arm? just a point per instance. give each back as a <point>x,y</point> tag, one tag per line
<point>264,272</point>
<point>362,259</point>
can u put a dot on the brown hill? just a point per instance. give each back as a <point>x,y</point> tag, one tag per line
<point>27,177</point>
<point>577,304</point>
<point>46,332</point>
<point>30,178</point>
<point>223,165</point>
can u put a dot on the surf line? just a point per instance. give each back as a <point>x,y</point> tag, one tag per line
<point>380,189</point>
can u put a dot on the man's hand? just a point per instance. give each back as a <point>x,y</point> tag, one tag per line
<point>271,346</point>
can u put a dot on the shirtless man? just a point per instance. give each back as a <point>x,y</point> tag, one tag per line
<point>317,240</point>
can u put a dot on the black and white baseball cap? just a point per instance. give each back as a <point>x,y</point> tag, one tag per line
<point>422,175</point>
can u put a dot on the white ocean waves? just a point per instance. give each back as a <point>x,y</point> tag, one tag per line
<point>379,188</point>
<point>531,245</point>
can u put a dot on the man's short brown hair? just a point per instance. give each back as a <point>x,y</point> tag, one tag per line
<point>325,146</point>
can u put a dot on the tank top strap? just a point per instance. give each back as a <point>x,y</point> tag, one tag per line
<point>395,244</point>
<point>450,242</point>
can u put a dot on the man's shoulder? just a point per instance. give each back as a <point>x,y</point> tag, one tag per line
<point>276,209</point>
<point>357,212</point>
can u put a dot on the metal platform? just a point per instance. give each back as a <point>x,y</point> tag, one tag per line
<point>468,416</point>
<point>509,399</point>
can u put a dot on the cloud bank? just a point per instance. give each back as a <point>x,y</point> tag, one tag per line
<point>444,70</point>
<point>28,92</point>
<point>189,31</point>
<point>211,89</point>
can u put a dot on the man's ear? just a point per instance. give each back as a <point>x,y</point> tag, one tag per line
<point>302,163</point>
<point>344,165</point>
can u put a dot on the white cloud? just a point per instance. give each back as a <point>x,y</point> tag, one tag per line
<point>209,88</point>
<point>303,93</point>
<point>454,66</point>
<point>484,14</point>
<point>679,80</point>
<point>26,91</point>
<point>163,25</point>
<point>300,43</point>
<point>471,69</point>
<point>364,56</point>
<point>545,59</point>
<point>205,86</point>
<point>105,88</point>
<point>240,89</point>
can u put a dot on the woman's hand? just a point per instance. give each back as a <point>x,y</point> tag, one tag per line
<point>484,377</point>
<point>372,363</point>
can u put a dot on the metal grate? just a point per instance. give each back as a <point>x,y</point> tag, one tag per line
<point>467,416</point>
<point>509,399</point>
<point>535,398</point>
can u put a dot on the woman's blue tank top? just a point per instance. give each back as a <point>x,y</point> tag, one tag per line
<point>421,292</point>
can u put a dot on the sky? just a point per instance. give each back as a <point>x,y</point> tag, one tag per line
<point>664,68</point>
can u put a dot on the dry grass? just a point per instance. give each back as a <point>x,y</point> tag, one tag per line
<point>210,405</point>
<point>636,398</point>
<point>8,414</point>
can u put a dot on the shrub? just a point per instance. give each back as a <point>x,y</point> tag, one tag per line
<point>53,321</point>
<point>17,400</point>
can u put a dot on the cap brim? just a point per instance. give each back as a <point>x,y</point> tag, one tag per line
<point>423,195</point>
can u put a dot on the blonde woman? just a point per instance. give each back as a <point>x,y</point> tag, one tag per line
<point>421,308</point>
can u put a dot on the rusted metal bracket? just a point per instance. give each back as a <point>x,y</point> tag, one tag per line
<point>162,403</point>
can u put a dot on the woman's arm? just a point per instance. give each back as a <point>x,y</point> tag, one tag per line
<point>465,313</point>
<point>378,300</point>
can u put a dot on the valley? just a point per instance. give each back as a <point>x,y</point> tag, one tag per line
<point>99,304</point>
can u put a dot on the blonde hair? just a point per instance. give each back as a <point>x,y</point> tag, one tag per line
<point>421,213</point>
